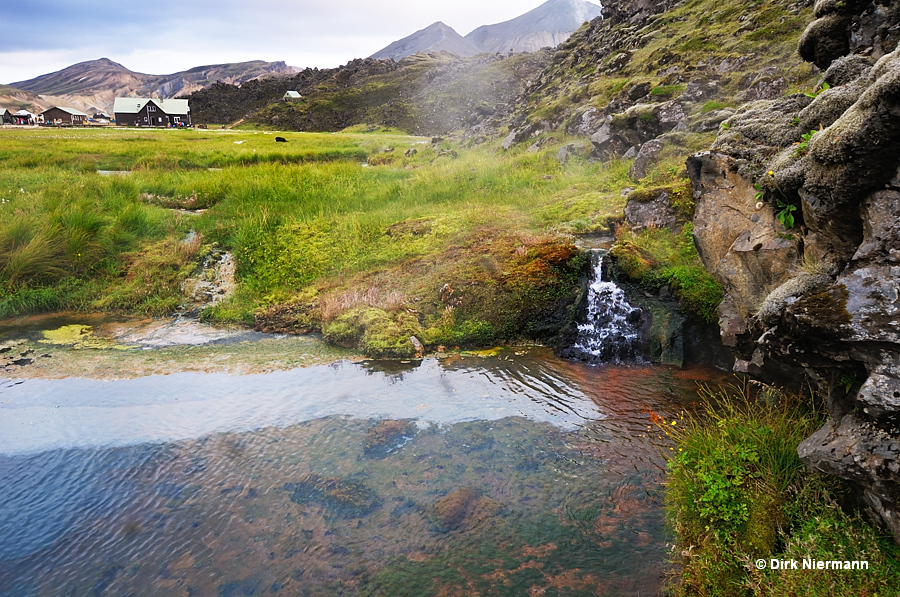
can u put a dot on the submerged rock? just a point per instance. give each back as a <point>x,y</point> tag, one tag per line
<point>387,436</point>
<point>346,498</point>
<point>462,507</point>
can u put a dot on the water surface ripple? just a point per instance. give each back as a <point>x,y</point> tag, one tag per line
<point>475,476</point>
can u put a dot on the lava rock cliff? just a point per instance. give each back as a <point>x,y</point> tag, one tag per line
<point>798,216</point>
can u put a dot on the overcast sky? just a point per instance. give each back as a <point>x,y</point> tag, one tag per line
<point>167,36</point>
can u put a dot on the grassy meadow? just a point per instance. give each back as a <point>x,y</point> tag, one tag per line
<point>334,232</point>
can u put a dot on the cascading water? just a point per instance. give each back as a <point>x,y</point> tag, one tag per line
<point>611,331</point>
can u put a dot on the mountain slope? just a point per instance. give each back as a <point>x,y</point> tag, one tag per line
<point>549,24</point>
<point>437,37</point>
<point>90,76</point>
<point>14,99</point>
<point>95,84</point>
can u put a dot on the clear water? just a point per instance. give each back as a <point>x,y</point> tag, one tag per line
<point>507,475</point>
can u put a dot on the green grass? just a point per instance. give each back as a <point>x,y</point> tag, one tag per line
<point>305,220</point>
<point>737,492</point>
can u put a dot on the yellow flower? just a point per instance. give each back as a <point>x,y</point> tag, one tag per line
<point>771,173</point>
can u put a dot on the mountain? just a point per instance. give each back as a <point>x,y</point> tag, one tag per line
<point>437,37</point>
<point>549,24</point>
<point>95,84</point>
<point>18,99</point>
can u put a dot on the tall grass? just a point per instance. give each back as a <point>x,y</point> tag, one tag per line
<point>306,213</point>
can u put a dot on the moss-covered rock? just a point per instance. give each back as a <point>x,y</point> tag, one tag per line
<point>374,332</point>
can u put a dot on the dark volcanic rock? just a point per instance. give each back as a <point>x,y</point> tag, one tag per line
<point>836,319</point>
<point>652,209</point>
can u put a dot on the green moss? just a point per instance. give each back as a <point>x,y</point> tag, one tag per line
<point>471,332</point>
<point>667,90</point>
<point>374,332</point>
<point>699,44</point>
<point>630,260</point>
<point>713,105</point>
<point>657,257</point>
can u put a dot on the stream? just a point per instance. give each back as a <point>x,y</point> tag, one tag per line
<point>503,472</point>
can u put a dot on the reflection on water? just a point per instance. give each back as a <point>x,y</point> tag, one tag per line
<point>465,476</point>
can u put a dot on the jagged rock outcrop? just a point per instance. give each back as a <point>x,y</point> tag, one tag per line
<point>798,203</point>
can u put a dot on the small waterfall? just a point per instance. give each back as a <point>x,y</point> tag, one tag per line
<point>611,332</point>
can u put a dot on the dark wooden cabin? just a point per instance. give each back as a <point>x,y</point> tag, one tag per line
<point>144,111</point>
<point>61,115</point>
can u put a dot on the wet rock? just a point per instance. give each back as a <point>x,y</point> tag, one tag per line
<point>740,244</point>
<point>239,588</point>
<point>461,507</point>
<point>449,512</point>
<point>388,436</point>
<point>214,283</point>
<point>864,454</point>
